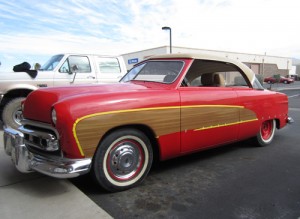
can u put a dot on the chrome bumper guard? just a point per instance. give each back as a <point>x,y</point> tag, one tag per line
<point>25,161</point>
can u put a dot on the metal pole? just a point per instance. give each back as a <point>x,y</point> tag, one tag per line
<point>170,41</point>
<point>169,28</point>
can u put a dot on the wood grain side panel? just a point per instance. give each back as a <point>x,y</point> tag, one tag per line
<point>90,130</point>
<point>201,118</point>
<point>247,115</point>
<point>163,121</point>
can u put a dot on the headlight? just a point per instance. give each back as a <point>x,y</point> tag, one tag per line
<point>53,116</point>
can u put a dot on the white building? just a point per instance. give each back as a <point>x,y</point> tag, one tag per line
<point>261,64</point>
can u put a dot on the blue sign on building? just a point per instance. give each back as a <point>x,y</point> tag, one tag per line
<point>133,61</point>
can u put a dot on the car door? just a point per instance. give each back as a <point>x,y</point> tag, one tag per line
<point>83,74</point>
<point>209,117</point>
<point>209,109</point>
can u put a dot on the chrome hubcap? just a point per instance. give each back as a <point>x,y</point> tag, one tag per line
<point>18,116</point>
<point>125,160</point>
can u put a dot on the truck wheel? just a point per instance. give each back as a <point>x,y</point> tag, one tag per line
<point>122,160</point>
<point>12,113</point>
<point>266,133</point>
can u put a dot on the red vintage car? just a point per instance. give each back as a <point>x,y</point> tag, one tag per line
<point>166,106</point>
<point>272,80</point>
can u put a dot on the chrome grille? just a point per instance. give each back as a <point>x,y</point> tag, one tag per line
<point>40,136</point>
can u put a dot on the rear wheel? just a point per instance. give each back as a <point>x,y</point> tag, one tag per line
<point>267,132</point>
<point>122,160</point>
<point>12,113</point>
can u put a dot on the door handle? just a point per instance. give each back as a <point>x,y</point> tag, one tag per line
<point>91,77</point>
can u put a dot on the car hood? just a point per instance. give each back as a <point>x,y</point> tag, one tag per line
<point>28,75</point>
<point>38,104</point>
<point>60,93</point>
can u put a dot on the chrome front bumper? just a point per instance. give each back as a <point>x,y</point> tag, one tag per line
<point>25,161</point>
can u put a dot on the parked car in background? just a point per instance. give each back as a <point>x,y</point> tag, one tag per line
<point>295,77</point>
<point>281,79</point>
<point>166,106</point>
<point>59,70</point>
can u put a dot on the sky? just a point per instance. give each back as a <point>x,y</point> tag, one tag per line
<point>34,30</point>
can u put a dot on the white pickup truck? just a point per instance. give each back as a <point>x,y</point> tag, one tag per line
<point>59,70</point>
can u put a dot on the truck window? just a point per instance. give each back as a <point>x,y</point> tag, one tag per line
<point>82,63</point>
<point>108,65</point>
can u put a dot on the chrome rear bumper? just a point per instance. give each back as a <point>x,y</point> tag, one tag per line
<point>25,161</point>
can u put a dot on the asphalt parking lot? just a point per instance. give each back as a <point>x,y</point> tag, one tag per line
<point>234,181</point>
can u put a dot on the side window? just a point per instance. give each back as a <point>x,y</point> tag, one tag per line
<point>109,65</point>
<point>65,67</point>
<point>204,73</point>
<point>82,62</point>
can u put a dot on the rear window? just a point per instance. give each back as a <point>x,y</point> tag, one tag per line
<point>109,65</point>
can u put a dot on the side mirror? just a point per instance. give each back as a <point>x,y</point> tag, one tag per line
<point>37,66</point>
<point>74,69</point>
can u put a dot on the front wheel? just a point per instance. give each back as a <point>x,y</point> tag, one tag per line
<point>266,133</point>
<point>122,160</point>
<point>12,113</point>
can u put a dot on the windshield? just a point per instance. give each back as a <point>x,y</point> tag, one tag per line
<point>257,85</point>
<point>52,63</point>
<point>155,71</point>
